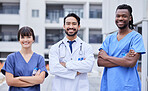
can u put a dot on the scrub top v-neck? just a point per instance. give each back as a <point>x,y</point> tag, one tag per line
<point>16,65</point>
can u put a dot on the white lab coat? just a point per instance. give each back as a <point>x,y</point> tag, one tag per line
<point>66,79</point>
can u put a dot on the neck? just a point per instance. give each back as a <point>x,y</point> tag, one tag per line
<point>26,51</point>
<point>71,38</point>
<point>124,31</point>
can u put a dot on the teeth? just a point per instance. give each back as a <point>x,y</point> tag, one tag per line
<point>25,43</point>
<point>70,30</point>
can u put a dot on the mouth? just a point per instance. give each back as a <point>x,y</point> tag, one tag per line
<point>25,43</point>
<point>71,29</point>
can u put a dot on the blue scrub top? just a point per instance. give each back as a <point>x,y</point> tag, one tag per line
<point>16,65</point>
<point>122,78</point>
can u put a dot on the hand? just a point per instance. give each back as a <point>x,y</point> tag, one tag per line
<point>131,53</point>
<point>102,54</point>
<point>38,72</point>
<point>63,64</point>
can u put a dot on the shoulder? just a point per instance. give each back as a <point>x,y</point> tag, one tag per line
<point>37,55</point>
<point>13,55</point>
<point>136,34</point>
<point>56,45</point>
<point>110,36</point>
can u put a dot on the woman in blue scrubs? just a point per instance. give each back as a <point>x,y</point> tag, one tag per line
<point>19,66</point>
<point>119,54</point>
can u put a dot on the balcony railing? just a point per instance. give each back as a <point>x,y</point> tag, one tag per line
<point>9,9</point>
<point>8,37</point>
<point>52,16</point>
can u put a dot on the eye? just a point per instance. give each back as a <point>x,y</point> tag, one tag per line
<point>117,16</point>
<point>67,23</point>
<point>124,16</point>
<point>74,23</point>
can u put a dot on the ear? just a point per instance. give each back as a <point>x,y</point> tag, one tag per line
<point>64,27</point>
<point>78,27</point>
<point>130,18</point>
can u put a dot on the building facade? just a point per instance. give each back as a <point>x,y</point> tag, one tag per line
<point>46,19</point>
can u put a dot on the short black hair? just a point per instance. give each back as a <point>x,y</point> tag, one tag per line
<point>129,8</point>
<point>25,31</point>
<point>72,15</point>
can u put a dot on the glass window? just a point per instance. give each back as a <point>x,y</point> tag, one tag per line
<point>8,32</point>
<point>35,13</point>
<point>36,39</point>
<point>95,11</point>
<point>80,33</point>
<point>53,13</point>
<point>78,12</point>
<point>77,9</point>
<point>53,36</point>
<point>95,36</point>
<point>9,8</point>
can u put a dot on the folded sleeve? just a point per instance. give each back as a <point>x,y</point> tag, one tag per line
<point>85,65</point>
<point>105,44</point>
<point>8,65</point>
<point>56,68</point>
<point>138,45</point>
<point>42,66</point>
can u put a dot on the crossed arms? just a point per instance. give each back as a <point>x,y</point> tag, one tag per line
<point>129,60</point>
<point>71,68</point>
<point>25,81</point>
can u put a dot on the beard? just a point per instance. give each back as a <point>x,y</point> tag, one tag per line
<point>123,27</point>
<point>71,34</point>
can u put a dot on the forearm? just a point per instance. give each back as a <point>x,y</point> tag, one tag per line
<point>125,61</point>
<point>105,63</point>
<point>37,79</point>
<point>83,66</point>
<point>11,81</point>
<point>19,83</point>
<point>58,70</point>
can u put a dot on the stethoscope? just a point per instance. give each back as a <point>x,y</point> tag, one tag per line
<point>62,52</point>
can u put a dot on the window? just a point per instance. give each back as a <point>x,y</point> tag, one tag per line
<point>36,39</point>
<point>80,34</point>
<point>53,36</point>
<point>9,8</point>
<point>138,28</point>
<point>95,36</point>
<point>35,13</point>
<point>8,32</point>
<point>54,13</point>
<point>95,11</point>
<point>77,9</point>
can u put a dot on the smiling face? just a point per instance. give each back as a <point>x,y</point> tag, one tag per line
<point>122,18</point>
<point>26,41</point>
<point>71,26</point>
<point>26,37</point>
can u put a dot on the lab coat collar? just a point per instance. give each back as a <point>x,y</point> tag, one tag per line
<point>78,41</point>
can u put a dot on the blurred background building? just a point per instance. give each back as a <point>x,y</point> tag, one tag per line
<point>46,19</point>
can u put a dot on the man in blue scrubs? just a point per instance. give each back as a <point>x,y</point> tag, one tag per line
<point>119,54</point>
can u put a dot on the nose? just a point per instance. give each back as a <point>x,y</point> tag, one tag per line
<point>70,26</point>
<point>25,38</point>
<point>120,18</point>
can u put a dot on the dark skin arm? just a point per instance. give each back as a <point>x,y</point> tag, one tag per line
<point>129,60</point>
<point>104,63</point>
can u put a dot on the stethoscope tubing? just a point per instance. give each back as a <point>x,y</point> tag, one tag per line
<point>80,52</point>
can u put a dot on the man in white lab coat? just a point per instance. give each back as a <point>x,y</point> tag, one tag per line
<point>71,59</point>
